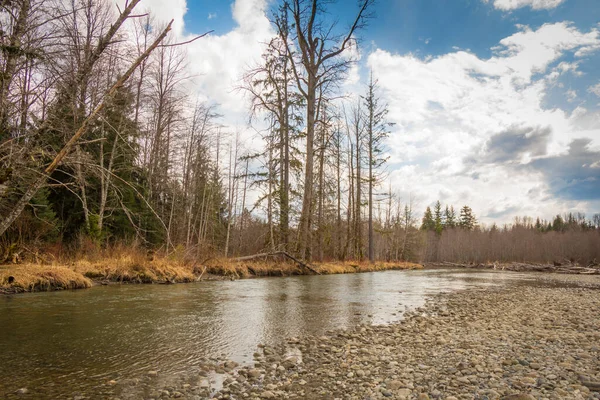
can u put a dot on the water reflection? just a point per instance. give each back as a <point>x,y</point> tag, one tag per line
<point>66,342</point>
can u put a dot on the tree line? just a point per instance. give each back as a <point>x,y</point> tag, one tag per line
<point>570,237</point>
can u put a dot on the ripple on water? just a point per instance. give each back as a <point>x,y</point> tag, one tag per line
<point>62,343</point>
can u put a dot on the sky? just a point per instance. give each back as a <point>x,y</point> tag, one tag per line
<point>495,103</point>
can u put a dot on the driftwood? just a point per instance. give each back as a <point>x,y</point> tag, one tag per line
<point>278,253</point>
<point>567,267</point>
<point>200,277</point>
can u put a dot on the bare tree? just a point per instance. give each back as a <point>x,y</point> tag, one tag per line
<point>317,64</point>
<point>377,130</point>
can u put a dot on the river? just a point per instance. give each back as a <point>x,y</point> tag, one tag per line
<point>62,344</point>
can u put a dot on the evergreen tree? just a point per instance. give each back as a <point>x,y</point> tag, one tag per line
<point>428,221</point>
<point>449,217</point>
<point>438,217</point>
<point>467,218</point>
<point>558,224</point>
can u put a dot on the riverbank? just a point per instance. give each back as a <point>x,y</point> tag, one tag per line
<point>530,341</point>
<point>133,269</point>
<point>565,267</point>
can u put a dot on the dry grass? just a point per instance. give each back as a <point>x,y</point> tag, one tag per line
<point>349,267</point>
<point>35,278</point>
<point>136,266</point>
<point>245,269</point>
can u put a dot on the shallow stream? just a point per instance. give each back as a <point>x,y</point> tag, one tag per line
<point>64,343</point>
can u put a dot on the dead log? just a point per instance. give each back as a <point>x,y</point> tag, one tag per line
<point>278,253</point>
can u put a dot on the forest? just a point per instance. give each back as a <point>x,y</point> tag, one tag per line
<point>103,146</point>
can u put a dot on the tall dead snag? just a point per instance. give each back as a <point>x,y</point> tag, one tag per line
<point>377,131</point>
<point>317,64</point>
<point>102,44</point>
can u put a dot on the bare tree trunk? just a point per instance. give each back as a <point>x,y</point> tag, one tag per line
<point>105,179</point>
<point>305,228</point>
<point>244,206</point>
<point>358,201</point>
<point>371,244</point>
<point>232,179</point>
<point>350,211</point>
<point>321,196</point>
<point>81,184</point>
<point>270,198</point>
<point>338,247</point>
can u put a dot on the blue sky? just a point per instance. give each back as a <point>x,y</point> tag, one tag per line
<point>496,102</point>
<point>435,27</point>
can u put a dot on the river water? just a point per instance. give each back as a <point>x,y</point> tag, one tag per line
<point>64,343</point>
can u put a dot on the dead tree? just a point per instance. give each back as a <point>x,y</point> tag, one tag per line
<point>316,65</point>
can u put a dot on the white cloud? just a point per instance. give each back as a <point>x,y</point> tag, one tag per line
<point>217,62</point>
<point>212,15</point>
<point>508,5</point>
<point>595,89</point>
<point>448,107</point>
<point>165,11</point>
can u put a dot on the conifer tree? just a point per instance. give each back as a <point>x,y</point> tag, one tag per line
<point>467,218</point>
<point>428,221</point>
<point>449,217</point>
<point>437,210</point>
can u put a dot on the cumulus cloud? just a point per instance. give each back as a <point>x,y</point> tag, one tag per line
<point>574,175</point>
<point>510,145</point>
<point>165,11</point>
<point>595,89</point>
<point>216,63</point>
<point>508,5</point>
<point>464,123</point>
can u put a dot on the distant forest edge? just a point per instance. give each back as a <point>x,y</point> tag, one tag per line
<point>154,169</point>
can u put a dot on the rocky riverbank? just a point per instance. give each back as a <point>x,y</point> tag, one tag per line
<point>539,341</point>
<point>565,267</point>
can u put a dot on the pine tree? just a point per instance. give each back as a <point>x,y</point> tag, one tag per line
<point>428,221</point>
<point>438,217</point>
<point>558,224</point>
<point>467,218</point>
<point>449,217</point>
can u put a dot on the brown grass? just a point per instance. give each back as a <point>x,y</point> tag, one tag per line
<point>136,266</point>
<point>349,267</point>
<point>35,278</point>
<point>245,269</point>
